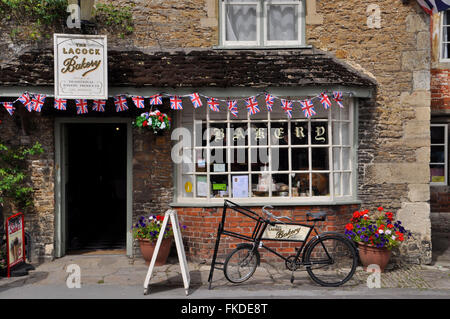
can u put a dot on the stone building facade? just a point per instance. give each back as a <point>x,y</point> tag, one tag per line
<point>382,56</point>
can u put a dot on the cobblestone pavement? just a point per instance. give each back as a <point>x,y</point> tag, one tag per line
<point>118,270</point>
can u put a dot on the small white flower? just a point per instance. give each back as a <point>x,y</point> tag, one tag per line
<point>380,231</point>
<point>388,232</point>
<point>393,237</point>
<point>163,125</point>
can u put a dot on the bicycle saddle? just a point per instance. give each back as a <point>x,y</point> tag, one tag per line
<point>319,216</point>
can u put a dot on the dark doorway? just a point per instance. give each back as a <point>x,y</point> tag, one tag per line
<point>96,186</point>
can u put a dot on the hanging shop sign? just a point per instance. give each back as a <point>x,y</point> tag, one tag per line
<point>81,66</point>
<point>286,232</point>
<point>15,241</point>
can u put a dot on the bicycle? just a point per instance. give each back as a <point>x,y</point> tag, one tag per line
<point>329,257</point>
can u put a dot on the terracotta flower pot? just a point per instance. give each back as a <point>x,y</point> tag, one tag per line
<point>370,255</point>
<point>147,248</point>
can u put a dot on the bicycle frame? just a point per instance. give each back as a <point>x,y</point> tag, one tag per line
<point>259,230</point>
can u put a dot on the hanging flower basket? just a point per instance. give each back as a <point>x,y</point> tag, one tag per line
<point>154,120</point>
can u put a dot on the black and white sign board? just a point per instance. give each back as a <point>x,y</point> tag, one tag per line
<point>180,250</point>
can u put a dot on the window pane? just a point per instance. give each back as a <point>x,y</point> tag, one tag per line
<point>300,159</point>
<point>261,184</point>
<point>280,159</point>
<point>202,186</point>
<point>259,158</point>
<point>320,160</point>
<point>239,159</point>
<point>336,133</point>
<point>200,160</point>
<point>281,185</point>
<point>437,135</point>
<point>187,185</point>
<point>299,133</point>
<point>218,160</point>
<point>346,161</point>
<point>345,131</point>
<point>259,133</point>
<point>238,134</point>
<point>437,173</point>
<point>437,154</point>
<point>217,134</point>
<point>321,184</point>
<point>279,133</point>
<point>282,22</point>
<point>219,185</point>
<point>239,186</point>
<point>337,184</point>
<point>240,22</point>
<point>445,43</point>
<point>319,133</point>
<point>346,184</point>
<point>336,158</point>
<point>200,133</point>
<point>300,185</point>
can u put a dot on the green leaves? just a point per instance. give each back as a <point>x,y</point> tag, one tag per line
<point>119,19</point>
<point>13,173</point>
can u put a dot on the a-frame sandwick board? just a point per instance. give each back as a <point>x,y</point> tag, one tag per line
<point>180,249</point>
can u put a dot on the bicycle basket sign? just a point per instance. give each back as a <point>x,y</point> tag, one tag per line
<point>286,232</point>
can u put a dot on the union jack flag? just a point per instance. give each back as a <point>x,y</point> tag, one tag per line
<point>195,99</point>
<point>232,106</point>
<point>325,100</point>
<point>121,103</point>
<point>286,105</point>
<point>308,108</point>
<point>434,6</point>
<point>252,105</point>
<point>338,98</point>
<point>37,102</point>
<point>25,99</point>
<point>213,104</point>
<point>176,103</point>
<point>81,106</point>
<point>99,105</point>
<point>9,107</point>
<point>138,101</point>
<point>269,102</point>
<point>60,104</point>
<point>156,99</point>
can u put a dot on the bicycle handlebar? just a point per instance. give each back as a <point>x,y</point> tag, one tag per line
<point>270,215</point>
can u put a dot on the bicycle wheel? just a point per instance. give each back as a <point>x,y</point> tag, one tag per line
<point>240,264</point>
<point>331,260</point>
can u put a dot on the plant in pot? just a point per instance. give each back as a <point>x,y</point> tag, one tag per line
<point>154,120</point>
<point>376,235</point>
<point>146,231</point>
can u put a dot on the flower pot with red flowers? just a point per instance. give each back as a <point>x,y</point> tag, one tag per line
<point>376,235</point>
<point>153,120</point>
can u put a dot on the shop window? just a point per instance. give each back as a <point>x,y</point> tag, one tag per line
<point>267,156</point>
<point>445,36</point>
<point>439,154</point>
<point>262,23</point>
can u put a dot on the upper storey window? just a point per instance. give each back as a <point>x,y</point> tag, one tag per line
<point>262,22</point>
<point>445,36</point>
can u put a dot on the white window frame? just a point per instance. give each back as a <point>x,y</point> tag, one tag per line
<point>441,37</point>
<point>445,126</point>
<point>261,25</point>
<point>332,198</point>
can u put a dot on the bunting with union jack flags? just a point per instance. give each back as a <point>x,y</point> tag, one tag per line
<point>325,100</point>
<point>37,101</point>
<point>138,101</point>
<point>9,107</point>
<point>308,108</point>
<point>232,107</point>
<point>252,105</point>
<point>120,103</point>
<point>25,99</point>
<point>286,105</point>
<point>81,105</point>
<point>337,96</point>
<point>434,6</point>
<point>99,105</point>
<point>156,99</point>
<point>176,103</point>
<point>213,104</point>
<point>269,101</point>
<point>60,104</point>
<point>195,99</point>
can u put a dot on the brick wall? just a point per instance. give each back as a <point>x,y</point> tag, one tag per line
<point>202,223</point>
<point>440,90</point>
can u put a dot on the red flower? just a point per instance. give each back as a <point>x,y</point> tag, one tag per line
<point>145,123</point>
<point>356,215</point>
<point>159,217</point>
<point>390,226</point>
<point>381,226</point>
<point>349,227</point>
<point>380,208</point>
<point>389,215</point>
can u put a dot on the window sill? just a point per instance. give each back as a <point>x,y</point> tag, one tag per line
<point>254,47</point>
<point>273,203</point>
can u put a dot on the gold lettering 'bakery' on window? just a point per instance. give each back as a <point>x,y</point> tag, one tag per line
<point>77,61</point>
